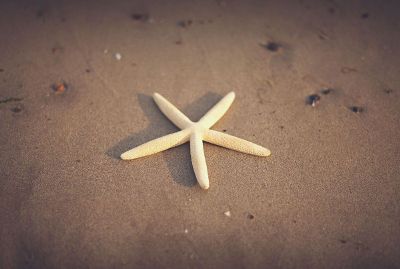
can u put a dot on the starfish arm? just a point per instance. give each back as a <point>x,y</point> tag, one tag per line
<point>157,145</point>
<point>217,111</point>
<point>171,112</point>
<point>235,143</point>
<point>199,160</point>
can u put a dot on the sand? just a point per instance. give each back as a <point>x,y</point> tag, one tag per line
<point>328,197</point>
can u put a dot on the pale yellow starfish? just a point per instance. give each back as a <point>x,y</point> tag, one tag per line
<point>196,132</point>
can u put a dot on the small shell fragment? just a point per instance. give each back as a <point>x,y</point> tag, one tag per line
<point>118,56</point>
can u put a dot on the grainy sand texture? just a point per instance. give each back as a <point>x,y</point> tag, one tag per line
<point>316,82</point>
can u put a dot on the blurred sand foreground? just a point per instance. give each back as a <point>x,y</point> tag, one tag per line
<point>76,79</point>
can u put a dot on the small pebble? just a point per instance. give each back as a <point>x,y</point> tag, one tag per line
<point>184,23</point>
<point>227,213</point>
<point>313,99</point>
<point>272,46</point>
<point>118,56</point>
<point>186,231</point>
<point>326,91</point>
<point>388,91</point>
<point>140,17</point>
<point>346,70</point>
<point>250,216</point>
<point>365,15</point>
<point>356,109</point>
<point>59,88</point>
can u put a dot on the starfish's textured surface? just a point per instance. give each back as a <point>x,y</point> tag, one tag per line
<point>196,133</point>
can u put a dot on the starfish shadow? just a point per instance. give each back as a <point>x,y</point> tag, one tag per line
<point>159,126</point>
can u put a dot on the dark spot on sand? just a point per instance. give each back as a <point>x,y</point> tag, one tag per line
<point>250,216</point>
<point>57,49</point>
<point>40,13</point>
<point>356,109</point>
<point>10,99</point>
<point>272,46</point>
<point>326,91</point>
<point>332,10</point>
<point>365,15</point>
<point>87,70</point>
<point>179,42</point>
<point>294,221</point>
<point>16,109</point>
<point>59,88</point>
<point>343,241</point>
<point>313,100</point>
<point>281,127</point>
<point>1,70</point>
<point>388,91</point>
<point>185,23</point>
<point>224,130</point>
<point>78,161</point>
<point>346,70</point>
<point>63,19</point>
<point>142,17</point>
<point>322,35</point>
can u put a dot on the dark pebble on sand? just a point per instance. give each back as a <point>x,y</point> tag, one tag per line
<point>356,109</point>
<point>184,23</point>
<point>326,91</point>
<point>313,99</point>
<point>272,46</point>
<point>365,15</point>
<point>143,17</point>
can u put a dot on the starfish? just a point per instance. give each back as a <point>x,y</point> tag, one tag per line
<point>196,133</point>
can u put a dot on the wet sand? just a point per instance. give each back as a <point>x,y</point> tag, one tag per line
<point>317,82</point>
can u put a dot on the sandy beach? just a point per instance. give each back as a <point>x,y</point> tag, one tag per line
<point>316,82</point>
